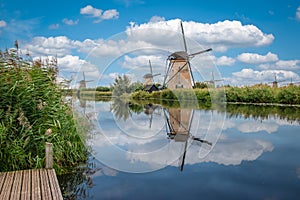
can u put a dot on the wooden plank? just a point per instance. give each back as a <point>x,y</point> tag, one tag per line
<point>35,184</point>
<point>2,179</point>
<point>55,189</point>
<point>49,155</point>
<point>30,185</point>
<point>17,185</point>
<point>46,192</point>
<point>6,189</point>
<point>26,185</point>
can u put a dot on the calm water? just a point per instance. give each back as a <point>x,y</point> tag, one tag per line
<point>152,152</point>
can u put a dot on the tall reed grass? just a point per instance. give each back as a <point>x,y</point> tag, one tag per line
<point>32,112</point>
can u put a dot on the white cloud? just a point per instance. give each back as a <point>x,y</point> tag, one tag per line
<point>110,14</point>
<point>225,61</point>
<point>142,62</point>
<point>41,46</point>
<point>98,14</point>
<point>250,76</point>
<point>282,64</point>
<point>253,58</point>
<point>298,13</point>
<point>221,35</point>
<point>156,18</point>
<point>54,26</point>
<point>89,10</point>
<point>2,23</point>
<point>70,22</point>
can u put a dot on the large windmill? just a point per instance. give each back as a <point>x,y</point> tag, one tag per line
<point>178,126</point>
<point>178,72</point>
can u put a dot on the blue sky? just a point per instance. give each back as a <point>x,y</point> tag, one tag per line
<point>251,40</point>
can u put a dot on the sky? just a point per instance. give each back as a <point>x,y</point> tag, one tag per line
<point>252,41</point>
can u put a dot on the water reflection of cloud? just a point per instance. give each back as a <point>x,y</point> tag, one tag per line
<point>226,152</point>
<point>131,146</point>
<point>254,126</point>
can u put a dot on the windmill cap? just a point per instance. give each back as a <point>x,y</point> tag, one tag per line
<point>148,76</point>
<point>179,55</point>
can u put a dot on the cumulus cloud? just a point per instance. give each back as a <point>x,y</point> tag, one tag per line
<point>253,58</point>
<point>250,76</point>
<point>221,35</point>
<point>75,64</point>
<point>142,62</point>
<point>99,14</point>
<point>156,18</point>
<point>282,64</point>
<point>225,61</point>
<point>56,46</point>
<point>298,13</point>
<point>70,22</point>
<point>2,23</point>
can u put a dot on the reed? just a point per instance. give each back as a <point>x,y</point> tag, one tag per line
<point>33,112</point>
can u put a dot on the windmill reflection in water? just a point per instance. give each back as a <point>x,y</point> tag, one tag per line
<point>178,127</point>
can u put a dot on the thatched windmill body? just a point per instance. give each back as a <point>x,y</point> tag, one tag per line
<point>178,72</point>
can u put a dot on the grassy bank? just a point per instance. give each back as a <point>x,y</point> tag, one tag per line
<point>255,94</point>
<point>32,112</point>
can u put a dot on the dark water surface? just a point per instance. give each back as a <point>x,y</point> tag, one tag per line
<point>152,152</point>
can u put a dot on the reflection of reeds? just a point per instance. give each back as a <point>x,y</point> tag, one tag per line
<point>31,104</point>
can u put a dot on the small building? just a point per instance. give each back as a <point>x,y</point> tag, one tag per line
<point>150,88</point>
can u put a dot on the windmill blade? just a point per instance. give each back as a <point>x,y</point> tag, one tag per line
<point>183,36</point>
<point>200,52</point>
<point>155,74</point>
<point>83,76</point>
<point>89,81</point>
<point>150,67</point>
<point>190,68</point>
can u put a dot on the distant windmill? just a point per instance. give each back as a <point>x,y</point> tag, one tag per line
<point>275,82</point>
<point>213,80</point>
<point>148,78</point>
<point>82,83</point>
<point>178,72</point>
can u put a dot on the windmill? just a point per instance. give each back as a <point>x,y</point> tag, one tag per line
<point>149,81</point>
<point>149,109</point>
<point>82,83</point>
<point>275,82</point>
<point>178,72</point>
<point>213,80</point>
<point>178,125</point>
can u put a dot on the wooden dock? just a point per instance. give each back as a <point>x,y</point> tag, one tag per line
<point>29,185</point>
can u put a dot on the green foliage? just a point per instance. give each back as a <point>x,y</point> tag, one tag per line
<point>200,85</point>
<point>103,89</point>
<point>289,95</point>
<point>121,85</point>
<point>32,112</point>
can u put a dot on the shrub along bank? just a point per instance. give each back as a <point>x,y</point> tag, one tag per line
<point>32,112</point>
<point>254,94</point>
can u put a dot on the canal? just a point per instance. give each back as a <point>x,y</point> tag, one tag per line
<point>152,151</point>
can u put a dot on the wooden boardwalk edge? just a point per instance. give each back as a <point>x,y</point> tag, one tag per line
<point>30,185</point>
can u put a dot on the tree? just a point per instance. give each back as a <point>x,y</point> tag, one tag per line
<point>121,85</point>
